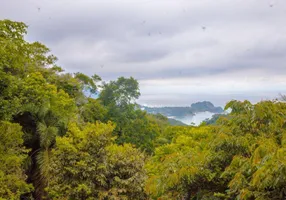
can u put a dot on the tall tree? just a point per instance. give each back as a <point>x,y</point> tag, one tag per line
<point>29,96</point>
<point>18,60</point>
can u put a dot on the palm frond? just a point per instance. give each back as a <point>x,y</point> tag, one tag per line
<point>47,134</point>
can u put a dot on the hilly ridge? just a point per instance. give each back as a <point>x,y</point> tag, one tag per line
<point>168,111</point>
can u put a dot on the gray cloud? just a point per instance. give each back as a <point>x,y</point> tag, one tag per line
<point>208,49</point>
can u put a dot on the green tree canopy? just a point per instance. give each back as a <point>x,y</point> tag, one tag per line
<point>243,157</point>
<point>87,165</point>
<point>12,157</point>
<point>121,92</point>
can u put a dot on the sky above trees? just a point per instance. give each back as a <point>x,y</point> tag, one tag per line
<point>180,51</point>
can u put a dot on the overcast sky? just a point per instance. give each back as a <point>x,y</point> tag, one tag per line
<point>181,51</point>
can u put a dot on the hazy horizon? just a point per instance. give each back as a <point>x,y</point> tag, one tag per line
<point>217,100</point>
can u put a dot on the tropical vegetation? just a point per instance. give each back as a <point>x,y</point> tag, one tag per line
<point>58,142</point>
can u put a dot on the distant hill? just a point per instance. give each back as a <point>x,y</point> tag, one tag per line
<point>205,106</point>
<point>178,112</point>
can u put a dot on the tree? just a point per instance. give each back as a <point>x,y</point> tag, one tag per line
<point>41,125</point>
<point>89,83</point>
<point>93,111</point>
<point>18,59</point>
<point>35,94</point>
<point>87,165</point>
<point>179,170</point>
<point>242,157</point>
<point>260,172</point>
<point>142,130</point>
<point>121,92</point>
<point>132,125</point>
<point>12,156</point>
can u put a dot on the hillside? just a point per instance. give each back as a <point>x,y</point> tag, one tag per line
<point>184,111</point>
<point>175,122</point>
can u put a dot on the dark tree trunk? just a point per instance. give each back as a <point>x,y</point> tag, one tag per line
<point>31,141</point>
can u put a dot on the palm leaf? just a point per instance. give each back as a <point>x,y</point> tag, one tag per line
<point>47,134</point>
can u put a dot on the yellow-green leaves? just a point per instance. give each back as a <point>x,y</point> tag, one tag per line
<point>243,157</point>
<point>12,155</point>
<point>180,164</point>
<point>87,164</point>
<point>260,172</point>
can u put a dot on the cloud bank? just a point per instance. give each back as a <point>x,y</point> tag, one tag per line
<point>180,51</point>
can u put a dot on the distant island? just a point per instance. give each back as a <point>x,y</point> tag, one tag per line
<point>179,112</point>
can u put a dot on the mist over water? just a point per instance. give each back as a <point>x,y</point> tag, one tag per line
<point>196,119</point>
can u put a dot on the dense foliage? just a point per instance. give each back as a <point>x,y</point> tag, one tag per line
<point>12,155</point>
<point>87,165</point>
<point>241,158</point>
<point>56,142</point>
